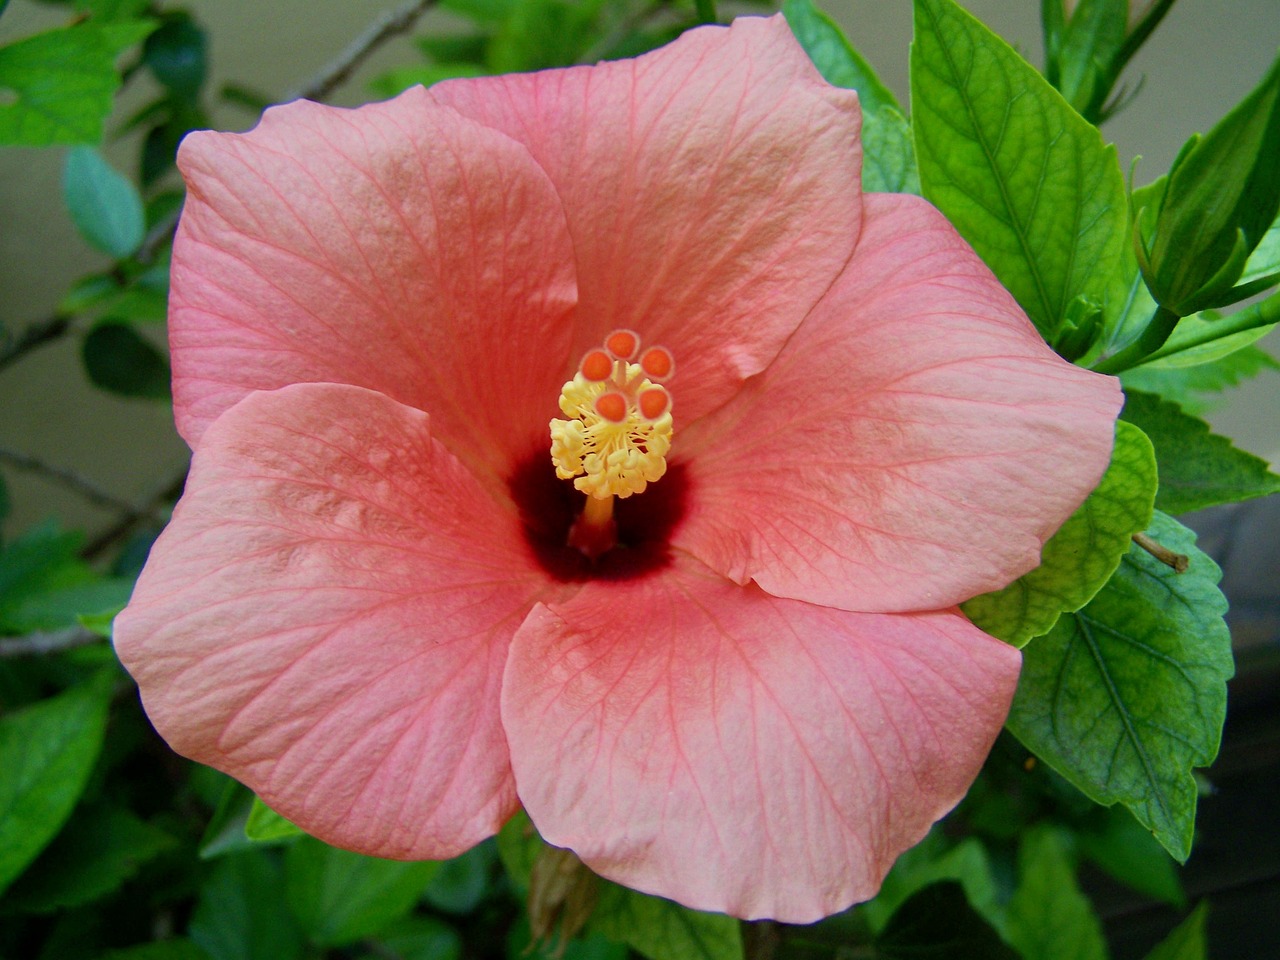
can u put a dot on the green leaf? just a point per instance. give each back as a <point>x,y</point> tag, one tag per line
<point>966,863</point>
<point>58,86</point>
<point>1208,336</point>
<point>1127,696</point>
<point>888,163</point>
<point>888,158</point>
<point>1265,259</point>
<point>518,849</point>
<point>42,560</point>
<point>104,206</point>
<point>1049,918</point>
<point>1078,559</point>
<point>161,950</point>
<point>47,751</point>
<point>225,832</point>
<point>264,825</point>
<point>1120,845</point>
<point>420,938</point>
<point>100,848</point>
<point>340,897</point>
<point>1179,383</point>
<point>1197,468</point>
<point>1022,176</point>
<point>175,54</point>
<point>937,922</point>
<point>118,360</point>
<point>662,930</point>
<point>1084,55</point>
<point>241,912</point>
<point>1222,197</point>
<point>1188,941</point>
<point>461,883</point>
<point>835,57</point>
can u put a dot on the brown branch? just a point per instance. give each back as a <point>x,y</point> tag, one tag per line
<point>87,489</point>
<point>46,641</point>
<point>151,510</point>
<point>390,24</point>
<point>41,332</point>
<point>1178,561</point>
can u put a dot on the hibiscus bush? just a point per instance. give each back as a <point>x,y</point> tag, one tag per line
<point>653,493</point>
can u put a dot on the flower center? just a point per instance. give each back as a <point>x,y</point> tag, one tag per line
<point>615,440</point>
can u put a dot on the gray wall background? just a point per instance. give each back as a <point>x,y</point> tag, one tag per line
<point>1204,58</point>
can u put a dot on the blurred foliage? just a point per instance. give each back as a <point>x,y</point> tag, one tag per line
<point>113,848</point>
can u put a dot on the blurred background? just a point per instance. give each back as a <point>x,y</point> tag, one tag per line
<point>1205,57</point>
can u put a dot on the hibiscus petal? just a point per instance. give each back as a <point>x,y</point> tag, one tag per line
<point>915,443</point>
<point>399,247</point>
<point>327,617</point>
<point>707,742</point>
<point>712,191</point>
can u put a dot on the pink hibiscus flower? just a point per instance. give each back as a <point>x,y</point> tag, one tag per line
<point>747,687</point>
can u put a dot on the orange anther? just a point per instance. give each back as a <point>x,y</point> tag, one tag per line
<point>623,344</point>
<point>653,402</point>
<point>596,365</point>
<point>657,362</point>
<point>612,406</point>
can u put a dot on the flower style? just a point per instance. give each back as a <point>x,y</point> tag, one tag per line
<point>744,685</point>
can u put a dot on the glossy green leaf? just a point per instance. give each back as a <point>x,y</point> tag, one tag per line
<point>1081,55</point>
<point>339,897</point>
<point>44,585</point>
<point>1222,197</point>
<point>662,930</point>
<point>1022,176</point>
<point>120,361</point>
<point>835,57</point>
<point>104,206</point>
<point>937,923</point>
<point>47,751</point>
<point>966,863</point>
<point>1265,259</point>
<point>99,849</point>
<point>58,86</point>
<point>241,912</point>
<point>888,158</point>
<point>1197,468</point>
<point>888,161</point>
<point>1126,697</point>
<point>1188,941</point>
<point>1078,559</point>
<point>1048,917</point>
<point>1209,336</point>
<point>1122,847</point>
<point>264,825</point>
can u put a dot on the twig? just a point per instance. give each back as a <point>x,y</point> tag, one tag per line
<point>46,641</point>
<point>1178,561</point>
<point>40,332</point>
<point>70,479</point>
<point>388,25</point>
<point>164,495</point>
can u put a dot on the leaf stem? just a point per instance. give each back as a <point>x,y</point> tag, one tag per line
<point>1158,330</point>
<point>46,641</point>
<point>1178,561</point>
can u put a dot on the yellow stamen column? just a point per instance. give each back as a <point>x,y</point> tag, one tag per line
<point>617,436</point>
